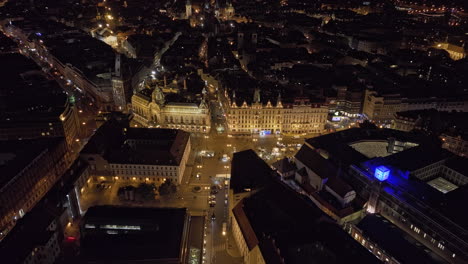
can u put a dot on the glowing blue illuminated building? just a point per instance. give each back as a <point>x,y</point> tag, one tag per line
<point>409,180</point>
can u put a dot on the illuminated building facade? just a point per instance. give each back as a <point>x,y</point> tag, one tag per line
<point>301,117</point>
<point>151,110</point>
<point>457,144</point>
<point>455,52</point>
<point>382,108</point>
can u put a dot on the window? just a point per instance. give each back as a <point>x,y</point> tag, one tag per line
<point>441,246</point>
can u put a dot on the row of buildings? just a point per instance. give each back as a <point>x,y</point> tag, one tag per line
<point>33,106</point>
<point>300,117</point>
<point>105,77</point>
<point>368,182</point>
<point>381,108</point>
<point>41,182</point>
<point>39,127</point>
<point>449,126</point>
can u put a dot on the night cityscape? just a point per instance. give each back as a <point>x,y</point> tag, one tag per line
<point>233,131</point>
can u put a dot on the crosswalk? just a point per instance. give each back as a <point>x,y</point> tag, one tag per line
<point>219,247</point>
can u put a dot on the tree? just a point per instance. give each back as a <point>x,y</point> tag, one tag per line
<point>167,188</point>
<point>367,125</point>
<point>146,191</point>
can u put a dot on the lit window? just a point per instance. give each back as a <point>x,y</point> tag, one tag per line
<point>122,227</point>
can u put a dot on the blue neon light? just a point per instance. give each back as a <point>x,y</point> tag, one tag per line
<point>382,173</point>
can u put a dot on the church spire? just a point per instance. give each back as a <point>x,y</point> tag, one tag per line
<point>278,101</point>
<point>256,98</point>
<point>233,101</point>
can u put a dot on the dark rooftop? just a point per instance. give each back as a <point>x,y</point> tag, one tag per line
<point>301,231</point>
<point>314,161</point>
<point>125,145</point>
<point>405,160</point>
<point>26,94</point>
<point>160,237</point>
<point>248,171</point>
<point>458,164</point>
<point>16,155</point>
<point>284,165</point>
<point>395,242</point>
<point>336,145</point>
<point>30,232</point>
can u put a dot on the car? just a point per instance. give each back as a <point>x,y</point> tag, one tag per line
<point>224,229</point>
<point>213,217</point>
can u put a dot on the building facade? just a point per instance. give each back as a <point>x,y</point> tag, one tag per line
<point>151,110</point>
<point>301,117</point>
<point>456,144</point>
<point>43,162</point>
<point>60,122</point>
<point>381,108</point>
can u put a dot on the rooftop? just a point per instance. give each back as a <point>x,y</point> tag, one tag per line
<point>16,155</point>
<point>395,242</point>
<point>314,161</point>
<point>27,95</point>
<point>160,235</point>
<point>284,165</point>
<point>248,171</point>
<point>30,231</point>
<point>126,145</point>
<point>295,226</point>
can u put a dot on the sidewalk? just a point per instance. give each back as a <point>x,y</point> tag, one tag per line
<point>232,249</point>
